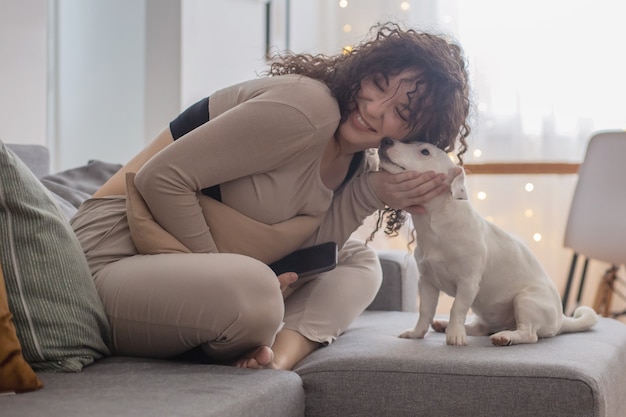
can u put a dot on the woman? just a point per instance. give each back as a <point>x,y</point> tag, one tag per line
<point>286,149</point>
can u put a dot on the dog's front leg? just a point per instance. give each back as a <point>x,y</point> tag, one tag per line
<point>465,294</point>
<point>429,297</point>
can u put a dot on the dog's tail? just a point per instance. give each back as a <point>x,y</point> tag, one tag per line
<point>584,318</point>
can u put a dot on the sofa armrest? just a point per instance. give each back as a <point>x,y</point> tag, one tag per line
<point>398,291</point>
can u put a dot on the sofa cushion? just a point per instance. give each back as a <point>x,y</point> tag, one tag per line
<point>73,186</point>
<point>58,316</point>
<point>131,387</point>
<point>15,374</point>
<point>369,371</point>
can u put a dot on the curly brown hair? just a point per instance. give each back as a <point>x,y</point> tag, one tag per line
<point>440,102</point>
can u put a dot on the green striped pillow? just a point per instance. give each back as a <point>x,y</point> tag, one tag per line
<point>58,316</point>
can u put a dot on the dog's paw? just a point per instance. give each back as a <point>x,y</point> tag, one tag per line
<point>501,339</point>
<point>456,339</point>
<point>440,325</point>
<point>412,334</point>
<point>455,334</point>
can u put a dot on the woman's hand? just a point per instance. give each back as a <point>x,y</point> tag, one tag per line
<point>408,190</point>
<point>286,279</point>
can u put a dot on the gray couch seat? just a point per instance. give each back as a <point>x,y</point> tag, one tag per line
<point>134,387</point>
<point>369,371</point>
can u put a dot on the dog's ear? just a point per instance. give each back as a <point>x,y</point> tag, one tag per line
<point>457,186</point>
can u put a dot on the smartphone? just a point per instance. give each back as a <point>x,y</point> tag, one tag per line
<point>308,261</point>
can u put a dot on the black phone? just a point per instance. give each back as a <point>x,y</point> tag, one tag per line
<point>308,261</point>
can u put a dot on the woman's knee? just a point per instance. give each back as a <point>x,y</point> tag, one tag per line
<point>228,301</point>
<point>257,303</point>
<point>254,291</point>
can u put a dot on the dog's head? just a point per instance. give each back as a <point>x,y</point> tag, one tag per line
<point>396,156</point>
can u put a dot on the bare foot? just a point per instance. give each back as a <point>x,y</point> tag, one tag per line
<point>259,358</point>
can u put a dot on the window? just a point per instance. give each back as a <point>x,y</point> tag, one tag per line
<point>545,76</point>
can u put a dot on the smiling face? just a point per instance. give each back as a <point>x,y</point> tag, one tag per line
<point>381,109</point>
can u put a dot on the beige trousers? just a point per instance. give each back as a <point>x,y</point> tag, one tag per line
<point>166,304</point>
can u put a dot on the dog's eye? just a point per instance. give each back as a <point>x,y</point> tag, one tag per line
<point>425,152</point>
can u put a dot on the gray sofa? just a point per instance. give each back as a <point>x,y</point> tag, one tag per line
<point>368,371</point>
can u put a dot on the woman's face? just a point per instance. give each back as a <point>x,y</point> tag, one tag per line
<point>381,109</point>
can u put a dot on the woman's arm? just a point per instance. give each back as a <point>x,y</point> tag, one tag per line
<point>349,208</point>
<point>251,138</point>
<point>373,190</point>
<point>116,185</point>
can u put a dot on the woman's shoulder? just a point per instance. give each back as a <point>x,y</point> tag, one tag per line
<point>295,82</point>
<point>312,98</point>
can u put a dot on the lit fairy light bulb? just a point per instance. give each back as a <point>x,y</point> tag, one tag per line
<point>481,195</point>
<point>343,4</point>
<point>537,237</point>
<point>477,153</point>
<point>529,187</point>
<point>529,213</point>
<point>347,49</point>
<point>405,5</point>
<point>347,28</point>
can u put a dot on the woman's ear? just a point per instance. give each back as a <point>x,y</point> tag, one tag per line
<point>457,186</point>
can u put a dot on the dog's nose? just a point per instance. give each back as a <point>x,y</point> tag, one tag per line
<point>387,142</point>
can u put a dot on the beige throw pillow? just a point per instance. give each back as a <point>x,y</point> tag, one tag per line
<point>232,231</point>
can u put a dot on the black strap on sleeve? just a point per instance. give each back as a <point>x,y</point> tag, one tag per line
<point>196,115</point>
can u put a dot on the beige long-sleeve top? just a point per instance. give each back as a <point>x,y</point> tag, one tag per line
<point>263,145</point>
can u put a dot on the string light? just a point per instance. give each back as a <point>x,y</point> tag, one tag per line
<point>343,3</point>
<point>529,213</point>
<point>529,187</point>
<point>347,28</point>
<point>346,50</point>
<point>405,5</point>
<point>537,237</point>
<point>481,195</point>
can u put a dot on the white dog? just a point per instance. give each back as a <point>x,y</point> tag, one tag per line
<point>480,265</point>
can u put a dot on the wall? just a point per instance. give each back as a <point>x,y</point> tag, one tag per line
<point>96,79</point>
<point>222,43</point>
<point>116,67</point>
<point>23,38</point>
<point>100,64</point>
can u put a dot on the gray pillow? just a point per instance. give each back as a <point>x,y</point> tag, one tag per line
<point>59,319</point>
<point>71,187</point>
